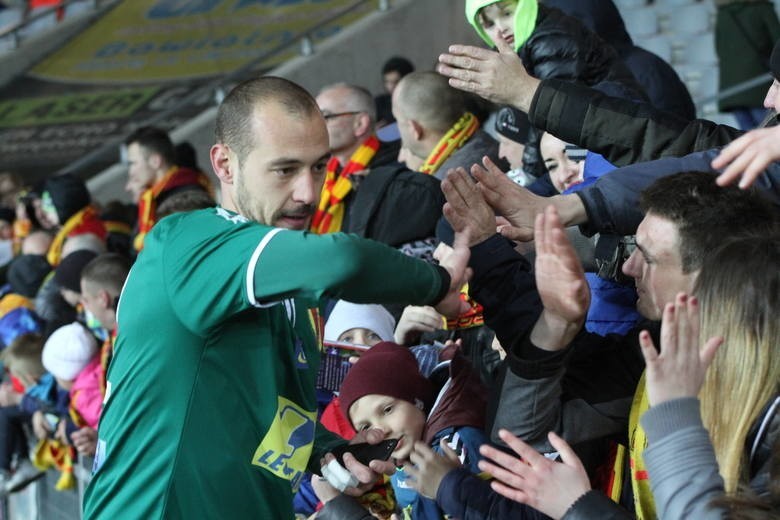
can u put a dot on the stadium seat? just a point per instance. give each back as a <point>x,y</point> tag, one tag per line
<point>641,22</point>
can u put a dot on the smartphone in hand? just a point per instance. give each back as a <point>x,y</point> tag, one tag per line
<point>365,452</point>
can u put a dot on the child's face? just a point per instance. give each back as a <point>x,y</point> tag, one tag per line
<point>398,419</point>
<point>498,21</point>
<point>360,336</point>
<point>27,379</point>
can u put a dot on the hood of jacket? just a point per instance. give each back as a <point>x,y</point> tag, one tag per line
<point>525,19</point>
<point>600,16</point>
<point>461,402</point>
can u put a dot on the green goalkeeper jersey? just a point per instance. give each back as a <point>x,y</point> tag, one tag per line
<point>210,407</point>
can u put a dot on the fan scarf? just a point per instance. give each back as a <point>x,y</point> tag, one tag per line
<point>637,442</point>
<point>85,221</point>
<point>147,204</point>
<point>330,211</point>
<point>455,137</point>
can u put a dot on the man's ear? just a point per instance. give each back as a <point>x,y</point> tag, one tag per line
<point>362,125</point>
<point>155,161</point>
<point>417,129</point>
<point>106,301</point>
<point>222,161</point>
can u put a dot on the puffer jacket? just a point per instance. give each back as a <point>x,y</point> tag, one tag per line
<point>561,47</point>
<point>664,88</point>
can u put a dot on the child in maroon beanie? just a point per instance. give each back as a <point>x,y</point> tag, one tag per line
<point>386,391</point>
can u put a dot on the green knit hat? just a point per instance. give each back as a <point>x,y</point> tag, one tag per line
<point>525,19</point>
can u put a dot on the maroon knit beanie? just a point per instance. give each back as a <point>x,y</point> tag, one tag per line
<point>386,369</point>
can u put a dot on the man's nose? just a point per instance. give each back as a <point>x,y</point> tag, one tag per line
<point>630,265</point>
<point>307,190</point>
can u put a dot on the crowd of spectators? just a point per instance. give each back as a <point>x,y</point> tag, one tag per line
<point>596,340</point>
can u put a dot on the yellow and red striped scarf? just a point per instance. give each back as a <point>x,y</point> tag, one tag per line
<point>644,502</point>
<point>147,204</point>
<point>330,211</point>
<point>455,137</point>
<point>55,249</point>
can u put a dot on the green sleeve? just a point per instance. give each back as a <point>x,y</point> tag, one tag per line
<point>324,442</point>
<point>306,265</point>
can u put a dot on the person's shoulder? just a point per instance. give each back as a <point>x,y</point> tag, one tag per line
<point>202,219</point>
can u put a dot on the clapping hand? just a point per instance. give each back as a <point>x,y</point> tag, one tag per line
<point>512,202</point>
<point>427,468</point>
<point>560,280</point>
<point>497,76</point>
<point>548,486</point>
<point>678,370</point>
<point>466,209</point>
<point>746,158</point>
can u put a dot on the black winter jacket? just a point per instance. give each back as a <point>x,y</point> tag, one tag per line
<point>561,47</point>
<point>660,82</point>
<point>395,205</point>
<point>588,118</point>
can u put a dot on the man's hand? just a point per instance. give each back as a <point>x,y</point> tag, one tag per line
<point>40,425</point>
<point>747,157</point>
<point>466,209</point>
<point>550,487</point>
<point>414,321</point>
<point>428,468</point>
<point>497,76</point>
<point>456,263</point>
<point>515,203</point>
<point>561,283</point>
<point>85,441</point>
<point>366,475</point>
<point>678,370</point>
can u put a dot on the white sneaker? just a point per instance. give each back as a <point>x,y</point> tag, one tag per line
<point>25,474</point>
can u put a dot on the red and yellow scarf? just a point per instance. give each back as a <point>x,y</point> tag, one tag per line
<point>147,204</point>
<point>455,137</point>
<point>637,442</point>
<point>330,211</point>
<point>85,221</point>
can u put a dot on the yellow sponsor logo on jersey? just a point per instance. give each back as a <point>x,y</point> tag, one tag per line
<point>287,446</point>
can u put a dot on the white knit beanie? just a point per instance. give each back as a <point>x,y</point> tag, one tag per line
<point>68,351</point>
<point>346,315</point>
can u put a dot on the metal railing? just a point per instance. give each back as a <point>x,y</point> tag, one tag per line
<point>736,89</point>
<point>218,85</point>
<point>14,33</point>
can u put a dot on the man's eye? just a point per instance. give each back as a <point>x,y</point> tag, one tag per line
<point>388,409</point>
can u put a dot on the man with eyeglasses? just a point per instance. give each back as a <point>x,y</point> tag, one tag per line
<point>350,115</point>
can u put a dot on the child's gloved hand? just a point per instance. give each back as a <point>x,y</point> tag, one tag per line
<point>428,468</point>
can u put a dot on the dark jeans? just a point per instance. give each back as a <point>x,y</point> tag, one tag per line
<point>12,437</point>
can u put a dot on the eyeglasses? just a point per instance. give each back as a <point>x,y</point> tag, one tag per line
<point>328,117</point>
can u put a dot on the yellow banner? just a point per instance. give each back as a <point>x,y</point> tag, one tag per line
<point>142,41</point>
<point>74,108</point>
